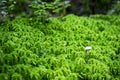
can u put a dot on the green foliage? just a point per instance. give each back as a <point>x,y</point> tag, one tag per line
<point>56,50</point>
<point>16,76</point>
<point>13,8</point>
<point>45,9</point>
<point>4,76</point>
<point>36,8</point>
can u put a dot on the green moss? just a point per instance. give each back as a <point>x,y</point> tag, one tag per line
<point>56,50</point>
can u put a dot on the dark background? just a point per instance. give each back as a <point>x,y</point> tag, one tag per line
<point>9,9</point>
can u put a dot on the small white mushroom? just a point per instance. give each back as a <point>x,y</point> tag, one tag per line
<point>88,48</point>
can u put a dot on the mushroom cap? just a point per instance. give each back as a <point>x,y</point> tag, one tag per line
<point>88,48</point>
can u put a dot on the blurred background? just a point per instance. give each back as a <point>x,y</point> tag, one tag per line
<point>10,9</point>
